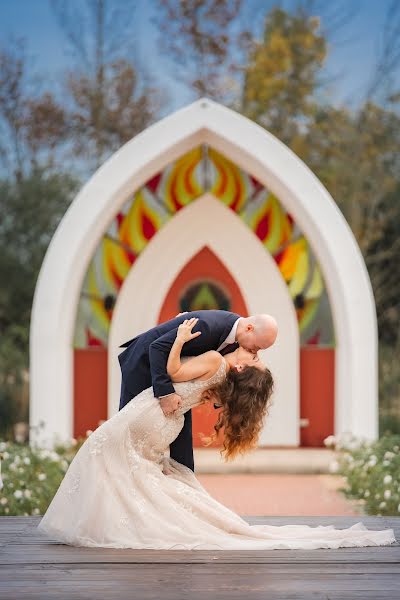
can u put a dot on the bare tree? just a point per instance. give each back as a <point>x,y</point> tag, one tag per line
<point>388,57</point>
<point>203,37</point>
<point>32,124</point>
<point>13,82</point>
<point>109,102</point>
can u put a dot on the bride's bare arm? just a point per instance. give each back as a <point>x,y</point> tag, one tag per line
<point>198,367</point>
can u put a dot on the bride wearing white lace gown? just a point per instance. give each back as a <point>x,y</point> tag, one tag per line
<point>122,490</point>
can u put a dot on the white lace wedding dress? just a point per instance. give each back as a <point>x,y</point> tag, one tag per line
<point>116,495</point>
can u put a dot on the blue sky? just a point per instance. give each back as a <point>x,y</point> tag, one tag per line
<point>352,53</point>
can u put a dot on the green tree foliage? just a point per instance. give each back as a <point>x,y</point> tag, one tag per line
<point>31,209</point>
<point>354,152</point>
<point>281,74</point>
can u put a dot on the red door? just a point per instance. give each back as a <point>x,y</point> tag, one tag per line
<point>204,282</point>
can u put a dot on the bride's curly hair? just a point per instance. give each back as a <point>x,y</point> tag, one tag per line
<point>245,398</point>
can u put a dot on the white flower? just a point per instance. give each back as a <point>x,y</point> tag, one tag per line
<point>330,440</point>
<point>382,505</point>
<point>27,493</point>
<point>3,446</point>
<point>3,501</point>
<point>389,454</point>
<point>387,479</point>
<point>386,463</point>
<point>7,510</point>
<point>42,476</point>
<point>366,493</point>
<point>333,466</point>
<point>6,455</point>
<point>387,494</point>
<point>17,459</point>
<point>36,511</point>
<point>27,460</point>
<point>18,494</point>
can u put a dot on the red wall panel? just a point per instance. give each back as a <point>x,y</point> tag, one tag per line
<point>317,394</point>
<point>90,389</point>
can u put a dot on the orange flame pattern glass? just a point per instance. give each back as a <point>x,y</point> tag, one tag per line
<point>147,209</point>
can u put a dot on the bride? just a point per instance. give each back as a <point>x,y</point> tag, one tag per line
<point>122,490</point>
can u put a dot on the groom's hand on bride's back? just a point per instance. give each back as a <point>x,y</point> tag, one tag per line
<point>170,403</point>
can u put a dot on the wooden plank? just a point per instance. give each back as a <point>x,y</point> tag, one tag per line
<point>21,531</point>
<point>63,555</point>
<point>197,582</point>
<point>39,569</point>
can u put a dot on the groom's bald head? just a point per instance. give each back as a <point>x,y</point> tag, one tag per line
<point>257,332</point>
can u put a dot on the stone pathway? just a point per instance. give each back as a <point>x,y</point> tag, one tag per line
<point>281,494</point>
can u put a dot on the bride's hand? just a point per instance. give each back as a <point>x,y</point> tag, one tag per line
<point>166,468</point>
<point>184,333</point>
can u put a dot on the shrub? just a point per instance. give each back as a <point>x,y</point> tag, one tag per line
<point>371,469</point>
<point>31,476</point>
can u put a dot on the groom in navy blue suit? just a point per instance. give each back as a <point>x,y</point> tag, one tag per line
<point>144,360</point>
<point>144,364</point>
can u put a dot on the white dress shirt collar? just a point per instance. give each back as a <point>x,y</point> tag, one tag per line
<point>231,339</point>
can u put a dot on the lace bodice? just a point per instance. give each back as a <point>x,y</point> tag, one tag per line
<point>190,391</point>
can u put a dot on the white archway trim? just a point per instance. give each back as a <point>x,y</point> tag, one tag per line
<point>207,222</point>
<point>275,166</point>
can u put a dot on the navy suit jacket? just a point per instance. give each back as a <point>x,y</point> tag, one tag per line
<point>144,360</point>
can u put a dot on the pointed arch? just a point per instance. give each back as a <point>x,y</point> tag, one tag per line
<point>207,221</point>
<point>204,265</point>
<point>276,167</point>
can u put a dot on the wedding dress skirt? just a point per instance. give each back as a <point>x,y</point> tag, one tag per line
<point>122,491</point>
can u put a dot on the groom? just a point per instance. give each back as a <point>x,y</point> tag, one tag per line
<point>144,361</point>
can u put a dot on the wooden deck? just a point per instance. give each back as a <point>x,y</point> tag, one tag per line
<point>34,568</point>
